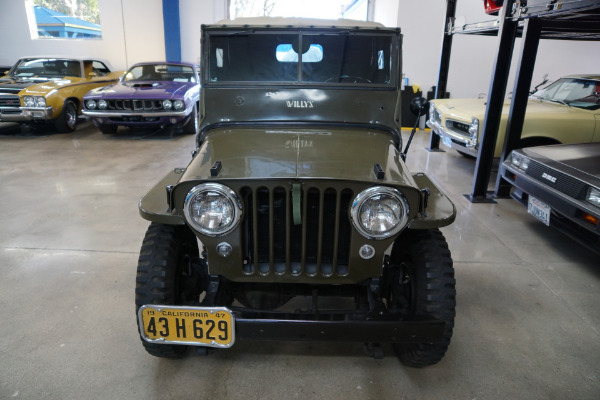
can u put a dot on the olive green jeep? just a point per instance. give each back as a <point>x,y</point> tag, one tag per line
<point>297,218</point>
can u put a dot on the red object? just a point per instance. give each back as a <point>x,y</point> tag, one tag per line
<point>492,6</point>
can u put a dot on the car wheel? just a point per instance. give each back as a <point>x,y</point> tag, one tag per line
<point>192,127</point>
<point>67,120</point>
<point>165,275</point>
<point>429,275</point>
<point>108,128</point>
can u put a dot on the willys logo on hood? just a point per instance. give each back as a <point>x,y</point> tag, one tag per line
<point>299,103</point>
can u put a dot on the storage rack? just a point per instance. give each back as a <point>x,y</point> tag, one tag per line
<point>532,20</point>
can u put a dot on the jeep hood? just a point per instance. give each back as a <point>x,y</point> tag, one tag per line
<point>271,153</point>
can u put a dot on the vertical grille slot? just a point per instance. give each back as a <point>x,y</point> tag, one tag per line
<point>273,244</point>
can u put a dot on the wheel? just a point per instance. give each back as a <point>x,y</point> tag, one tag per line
<point>428,273</point>
<point>165,275</point>
<point>192,127</point>
<point>108,128</point>
<point>67,120</point>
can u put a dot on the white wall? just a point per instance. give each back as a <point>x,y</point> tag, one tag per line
<point>132,31</point>
<point>192,14</point>
<point>471,62</point>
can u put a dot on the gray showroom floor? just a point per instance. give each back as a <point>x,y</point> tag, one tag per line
<point>528,314</point>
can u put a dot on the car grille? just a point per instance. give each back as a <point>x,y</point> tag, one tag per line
<point>458,127</point>
<point>10,101</point>
<point>135,105</point>
<point>319,246</point>
<point>563,183</point>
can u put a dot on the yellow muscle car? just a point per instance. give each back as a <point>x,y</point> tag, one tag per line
<point>43,89</point>
<point>566,111</point>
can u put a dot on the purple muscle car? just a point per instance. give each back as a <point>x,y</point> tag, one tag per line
<point>149,94</point>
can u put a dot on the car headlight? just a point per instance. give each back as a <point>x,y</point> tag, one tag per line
<point>212,209</point>
<point>593,196</point>
<point>178,105</point>
<point>379,212</point>
<point>520,161</point>
<point>102,104</point>
<point>28,101</point>
<point>167,104</point>
<point>40,101</point>
<point>431,111</point>
<point>474,129</point>
<point>90,104</point>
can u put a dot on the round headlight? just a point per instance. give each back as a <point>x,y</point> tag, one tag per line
<point>379,212</point>
<point>178,105</point>
<point>167,104</point>
<point>212,209</point>
<point>90,104</point>
<point>28,101</point>
<point>40,101</point>
<point>102,104</point>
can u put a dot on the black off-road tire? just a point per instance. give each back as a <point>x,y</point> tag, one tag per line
<point>162,267</point>
<point>432,291</point>
<point>66,121</point>
<point>192,127</point>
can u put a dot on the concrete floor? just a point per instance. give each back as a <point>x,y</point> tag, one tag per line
<point>527,324</point>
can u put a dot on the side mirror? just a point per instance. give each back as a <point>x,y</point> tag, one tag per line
<point>418,106</point>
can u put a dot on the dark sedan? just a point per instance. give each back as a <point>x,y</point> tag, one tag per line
<point>149,95</point>
<point>560,186</point>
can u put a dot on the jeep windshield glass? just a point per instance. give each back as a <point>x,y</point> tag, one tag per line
<point>573,92</point>
<point>291,58</point>
<point>160,72</point>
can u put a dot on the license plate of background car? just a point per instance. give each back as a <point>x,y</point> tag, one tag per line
<point>539,210</point>
<point>197,326</point>
<point>447,141</point>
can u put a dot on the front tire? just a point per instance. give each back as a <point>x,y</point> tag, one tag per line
<point>66,121</point>
<point>427,265</point>
<point>165,275</point>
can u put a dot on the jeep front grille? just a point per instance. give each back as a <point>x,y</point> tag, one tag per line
<point>273,243</point>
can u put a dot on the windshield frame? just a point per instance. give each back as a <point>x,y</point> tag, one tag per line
<point>549,93</point>
<point>393,62</point>
<point>13,71</point>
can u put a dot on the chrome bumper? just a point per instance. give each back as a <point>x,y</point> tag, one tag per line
<point>443,132</point>
<point>125,113</point>
<point>23,114</point>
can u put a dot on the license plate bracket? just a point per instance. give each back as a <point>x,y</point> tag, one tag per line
<point>539,210</point>
<point>446,141</point>
<point>196,326</point>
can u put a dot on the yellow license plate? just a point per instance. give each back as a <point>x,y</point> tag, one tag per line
<point>199,326</point>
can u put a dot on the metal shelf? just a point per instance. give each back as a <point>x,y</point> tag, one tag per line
<point>532,20</point>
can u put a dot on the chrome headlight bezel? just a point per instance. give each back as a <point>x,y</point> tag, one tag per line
<point>102,104</point>
<point>474,130</point>
<point>178,105</point>
<point>217,190</point>
<point>167,104</point>
<point>91,104</point>
<point>356,211</point>
<point>28,101</point>
<point>40,101</point>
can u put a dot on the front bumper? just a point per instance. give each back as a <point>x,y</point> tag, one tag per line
<point>24,114</point>
<point>145,114</point>
<point>453,139</point>
<point>567,212</point>
<point>137,118</point>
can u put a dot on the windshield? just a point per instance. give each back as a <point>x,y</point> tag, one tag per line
<point>160,72</point>
<point>46,68</point>
<point>576,92</point>
<point>338,59</point>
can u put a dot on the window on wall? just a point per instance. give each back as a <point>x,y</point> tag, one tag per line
<point>65,19</point>
<point>330,9</point>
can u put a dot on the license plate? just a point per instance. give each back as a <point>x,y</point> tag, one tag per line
<point>198,326</point>
<point>447,141</point>
<point>539,210</point>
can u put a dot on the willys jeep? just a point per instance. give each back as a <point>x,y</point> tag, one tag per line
<point>297,218</point>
